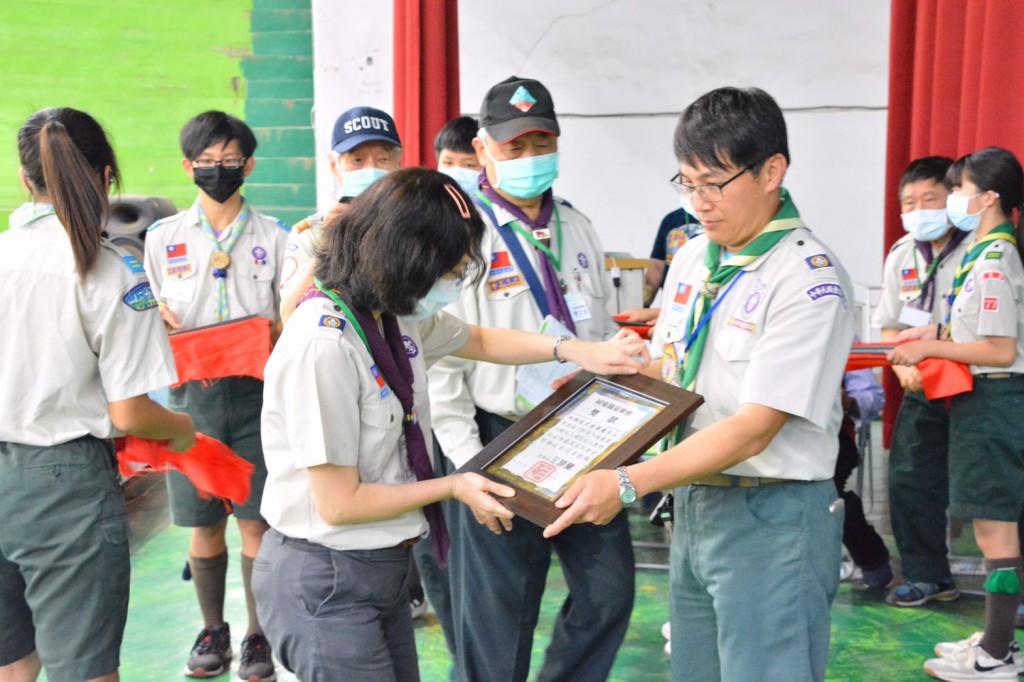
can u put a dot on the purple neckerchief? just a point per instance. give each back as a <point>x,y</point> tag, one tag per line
<point>925,248</point>
<point>552,283</point>
<point>310,292</point>
<point>389,353</point>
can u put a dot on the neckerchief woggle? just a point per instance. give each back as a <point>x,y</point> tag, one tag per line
<point>220,274</point>
<point>728,271</point>
<point>1003,231</point>
<point>932,262</point>
<point>389,354</point>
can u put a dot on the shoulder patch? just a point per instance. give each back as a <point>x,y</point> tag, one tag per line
<point>301,226</point>
<point>993,255</point>
<point>993,275</point>
<point>140,297</point>
<point>331,322</point>
<point>563,202</point>
<point>818,261</point>
<point>155,225</point>
<point>283,225</point>
<point>133,264</point>
<point>820,291</point>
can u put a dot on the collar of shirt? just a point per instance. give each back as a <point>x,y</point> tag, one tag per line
<point>29,213</point>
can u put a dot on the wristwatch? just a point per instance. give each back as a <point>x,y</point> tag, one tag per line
<point>627,493</point>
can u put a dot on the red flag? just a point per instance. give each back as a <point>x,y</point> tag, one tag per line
<point>940,378</point>
<point>214,469</point>
<point>239,348</point>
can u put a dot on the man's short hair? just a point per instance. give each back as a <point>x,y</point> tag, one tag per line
<point>740,127</point>
<point>457,136</point>
<point>214,128</point>
<point>927,168</point>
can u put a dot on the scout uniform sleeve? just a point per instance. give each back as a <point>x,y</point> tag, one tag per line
<point>280,242</point>
<point>998,313</point>
<point>798,365</point>
<point>442,334</point>
<point>125,330</point>
<point>153,261</point>
<point>887,314</point>
<point>452,408</point>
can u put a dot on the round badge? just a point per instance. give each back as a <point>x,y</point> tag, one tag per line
<point>220,260</point>
<point>259,253</point>
<point>669,363</point>
<point>411,349</point>
<point>582,258</point>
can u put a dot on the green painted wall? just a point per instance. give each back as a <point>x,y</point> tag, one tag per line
<point>144,67</point>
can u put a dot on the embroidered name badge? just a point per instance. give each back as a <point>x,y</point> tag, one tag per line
<point>177,254</point>
<point>379,378</point>
<point>331,322</point>
<point>990,303</point>
<point>133,264</point>
<point>411,349</point>
<point>820,291</point>
<point>500,284</point>
<point>140,297</point>
<point>682,295</point>
<point>581,258</point>
<point>818,261</point>
<point>500,263</point>
<point>259,255</point>
<point>742,325</point>
<point>992,275</point>
<point>993,255</point>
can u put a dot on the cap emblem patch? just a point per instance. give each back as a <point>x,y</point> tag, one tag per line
<point>522,99</point>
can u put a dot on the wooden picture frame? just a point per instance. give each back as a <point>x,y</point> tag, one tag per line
<point>592,422</point>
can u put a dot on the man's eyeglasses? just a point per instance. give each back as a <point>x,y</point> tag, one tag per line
<point>710,192</point>
<point>230,164</point>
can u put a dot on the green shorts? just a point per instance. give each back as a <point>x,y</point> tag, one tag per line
<point>228,410</point>
<point>64,565</point>
<point>986,451</point>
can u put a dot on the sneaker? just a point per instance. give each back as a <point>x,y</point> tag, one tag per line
<point>666,631</point>
<point>257,663</point>
<point>916,594</point>
<point>971,663</point>
<point>952,648</point>
<point>877,578</point>
<point>211,654</point>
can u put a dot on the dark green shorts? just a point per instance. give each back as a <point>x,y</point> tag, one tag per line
<point>986,451</point>
<point>228,410</point>
<point>64,566</point>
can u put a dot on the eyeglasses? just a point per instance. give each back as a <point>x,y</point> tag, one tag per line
<point>710,192</point>
<point>230,164</point>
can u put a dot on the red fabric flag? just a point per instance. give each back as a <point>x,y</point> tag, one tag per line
<point>239,348</point>
<point>940,378</point>
<point>211,465</point>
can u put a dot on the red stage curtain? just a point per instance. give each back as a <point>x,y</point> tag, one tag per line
<point>426,74</point>
<point>955,74</point>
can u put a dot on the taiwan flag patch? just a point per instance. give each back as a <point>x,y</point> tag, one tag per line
<point>379,378</point>
<point>682,293</point>
<point>500,263</point>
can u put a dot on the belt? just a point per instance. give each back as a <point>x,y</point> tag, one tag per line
<point>997,375</point>
<point>408,543</point>
<point>730,481</point>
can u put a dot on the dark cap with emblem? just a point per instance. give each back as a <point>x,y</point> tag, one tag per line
<point>517,106</point>
<point>363,124</point>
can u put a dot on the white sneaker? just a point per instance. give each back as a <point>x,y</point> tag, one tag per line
<point>418,607</point>
<point>951,648</point>
<point>666,631</point>
<point>971,663</point>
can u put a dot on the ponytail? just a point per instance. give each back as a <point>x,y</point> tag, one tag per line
<point>77,192</point>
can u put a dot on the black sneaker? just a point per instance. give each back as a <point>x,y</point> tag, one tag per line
<point>257,663</point>
<point>211,654</point>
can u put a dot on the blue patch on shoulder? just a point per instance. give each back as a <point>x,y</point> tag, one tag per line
<point>283,225</point>
<point>331,322</point>
<point>140,297</point>
<point>133,264</point>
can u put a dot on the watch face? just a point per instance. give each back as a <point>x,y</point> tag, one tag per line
<point>627,496</point>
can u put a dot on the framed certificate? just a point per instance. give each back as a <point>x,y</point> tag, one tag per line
<point>592,422</point>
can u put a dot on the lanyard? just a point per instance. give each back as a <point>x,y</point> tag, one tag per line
<point>707,316</point>
<point>528,234</point>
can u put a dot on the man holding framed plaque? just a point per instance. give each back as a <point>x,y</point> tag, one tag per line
<point>758,322</point>
<point>545,271</point>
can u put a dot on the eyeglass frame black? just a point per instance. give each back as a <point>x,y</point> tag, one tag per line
<point>220,162</point>
<point>676,181</point>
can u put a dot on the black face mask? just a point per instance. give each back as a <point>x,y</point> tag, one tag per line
<point>218,182</point>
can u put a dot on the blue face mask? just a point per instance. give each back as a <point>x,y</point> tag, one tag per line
<point>354,183</point>
<point>956,208</point>
<point>525,178</point>
<point>926,225</point>
<point>466,177</point>
<point>444,292</point>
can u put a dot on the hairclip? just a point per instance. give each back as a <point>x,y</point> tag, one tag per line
<point>460,202</point>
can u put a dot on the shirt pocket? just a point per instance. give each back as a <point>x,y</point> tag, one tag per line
<point>256,285</point>
<point>735,345</point>
<point>380,425</point>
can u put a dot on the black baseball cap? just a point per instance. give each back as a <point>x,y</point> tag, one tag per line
<point>517,106</point>
<point>363,124</point>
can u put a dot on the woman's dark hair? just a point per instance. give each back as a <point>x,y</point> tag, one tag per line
<point>215,128</point>
<point>64,154</point>
<point>738,126</point>
<point>457,135</point>
<point>996,169</point>
<point>398,238</point>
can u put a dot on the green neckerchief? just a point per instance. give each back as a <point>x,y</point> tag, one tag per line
<point>238,226</point>
<point>528,235</point>
<point>1003,231</point>
<point>336,297</point>
<point>720,272</point>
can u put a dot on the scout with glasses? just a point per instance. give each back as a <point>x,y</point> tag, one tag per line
<point>756,320</point>
<point>215,262</point>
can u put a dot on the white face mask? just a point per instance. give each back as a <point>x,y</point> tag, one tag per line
<point>444,292</point>
<point>926,225</point>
